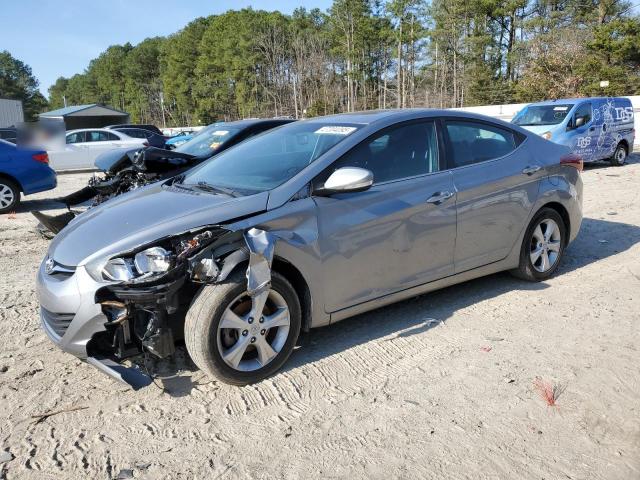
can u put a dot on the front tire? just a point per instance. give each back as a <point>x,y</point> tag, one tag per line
<point>542,247</point>
<point>619,156</point>
<point>240,339</point>
<point>9,195</point>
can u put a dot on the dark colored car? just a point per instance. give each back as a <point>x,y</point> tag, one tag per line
<point>9,134</point>
<point>154,139</point>
<point>128,170</point>
<point>22,170</point>
<point>151,128</point>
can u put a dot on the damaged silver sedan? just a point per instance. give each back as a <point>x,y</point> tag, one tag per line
<point>302,226</point>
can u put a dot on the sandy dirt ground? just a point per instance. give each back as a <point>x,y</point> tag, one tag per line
<point>388,394</point>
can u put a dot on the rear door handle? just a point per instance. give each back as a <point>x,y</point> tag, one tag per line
<point>439,197</point>
<point>532,169</point>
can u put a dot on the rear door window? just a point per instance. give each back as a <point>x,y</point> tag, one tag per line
<point>99,136</point>
<point>473,142</point>
<point>96,136</point>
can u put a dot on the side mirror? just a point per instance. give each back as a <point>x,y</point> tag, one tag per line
<point>346,179</point>
<point>579,122</point>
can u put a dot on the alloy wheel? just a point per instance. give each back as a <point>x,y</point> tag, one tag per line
<point>546,242</point>
<point>253,330</point>
<point>7,196</point>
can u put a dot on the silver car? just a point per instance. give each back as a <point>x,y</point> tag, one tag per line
<point>303,226</point>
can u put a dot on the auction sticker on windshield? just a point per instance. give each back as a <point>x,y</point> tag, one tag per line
<point>220,133</point>
<point>336,130</point>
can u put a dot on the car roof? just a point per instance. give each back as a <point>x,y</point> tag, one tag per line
<point>132,125</point>
<point>576,100</point>
<point>364,117</point>
<point>372,116</point>
<point>89,130</point>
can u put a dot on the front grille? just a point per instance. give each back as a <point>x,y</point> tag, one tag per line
<point>58,322</point>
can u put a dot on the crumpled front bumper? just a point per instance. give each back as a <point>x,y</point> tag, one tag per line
<point>70,317</point>
<point>68,312</point>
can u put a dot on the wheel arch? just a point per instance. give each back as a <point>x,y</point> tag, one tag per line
<point>297,281</point>
<point>299,284</point>
<point>564,214</point>
<point>625,144</point>
<point>6,176</point>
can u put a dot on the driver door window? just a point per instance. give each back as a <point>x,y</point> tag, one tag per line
<point>77,137</point>
<point>583,111</point>
<point>403,151</point>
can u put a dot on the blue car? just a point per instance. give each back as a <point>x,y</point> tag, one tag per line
<point>179,139</point>
<point>598,128</point>
<point>22,170</point>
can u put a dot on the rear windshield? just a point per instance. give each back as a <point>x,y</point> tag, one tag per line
<point>542,115</point>
<point>270,159</point>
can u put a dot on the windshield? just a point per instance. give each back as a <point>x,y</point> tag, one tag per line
<point>268,160</point>
<point>541,115</point>
<point>208,140</point>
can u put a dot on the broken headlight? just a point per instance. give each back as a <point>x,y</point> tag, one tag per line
<point>152,260</point>
<point>120,269</point>
<point>147,263</point>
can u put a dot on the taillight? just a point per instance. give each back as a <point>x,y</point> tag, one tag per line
<point>41,157</point>
<point>573,160</point>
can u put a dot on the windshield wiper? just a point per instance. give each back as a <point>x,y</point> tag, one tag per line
<point>178,179</point>
<point>207,187</point>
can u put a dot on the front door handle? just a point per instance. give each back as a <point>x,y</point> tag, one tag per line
<point>439,197</point>
<point>532,169</point>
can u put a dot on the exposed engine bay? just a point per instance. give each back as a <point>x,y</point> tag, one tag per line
<point>124,171</point>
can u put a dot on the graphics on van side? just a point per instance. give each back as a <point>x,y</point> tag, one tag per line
<point>600,138</point>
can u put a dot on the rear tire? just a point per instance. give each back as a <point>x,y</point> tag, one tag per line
<point>542,246</point>
<point>9,195</point>
<point>619,156</point>
<point>211,346</point>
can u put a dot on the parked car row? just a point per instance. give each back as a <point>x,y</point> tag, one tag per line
<point>83,146</point>
<point>126,170</point>
<point>301,226</point>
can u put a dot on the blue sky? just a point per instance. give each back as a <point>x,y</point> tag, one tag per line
<point>59,37</point>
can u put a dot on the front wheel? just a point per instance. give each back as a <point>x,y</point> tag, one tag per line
<point>542,247</point>
<point>241,339</point>
<point>619,156</point>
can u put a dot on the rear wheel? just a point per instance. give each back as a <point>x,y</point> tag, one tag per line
<point>9,195</point>
<point>241,339</point>
<point>542,247</point>
<point>619,156</point>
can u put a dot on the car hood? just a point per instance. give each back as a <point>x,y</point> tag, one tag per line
<point>107,160</point>
<point>143,216</point>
